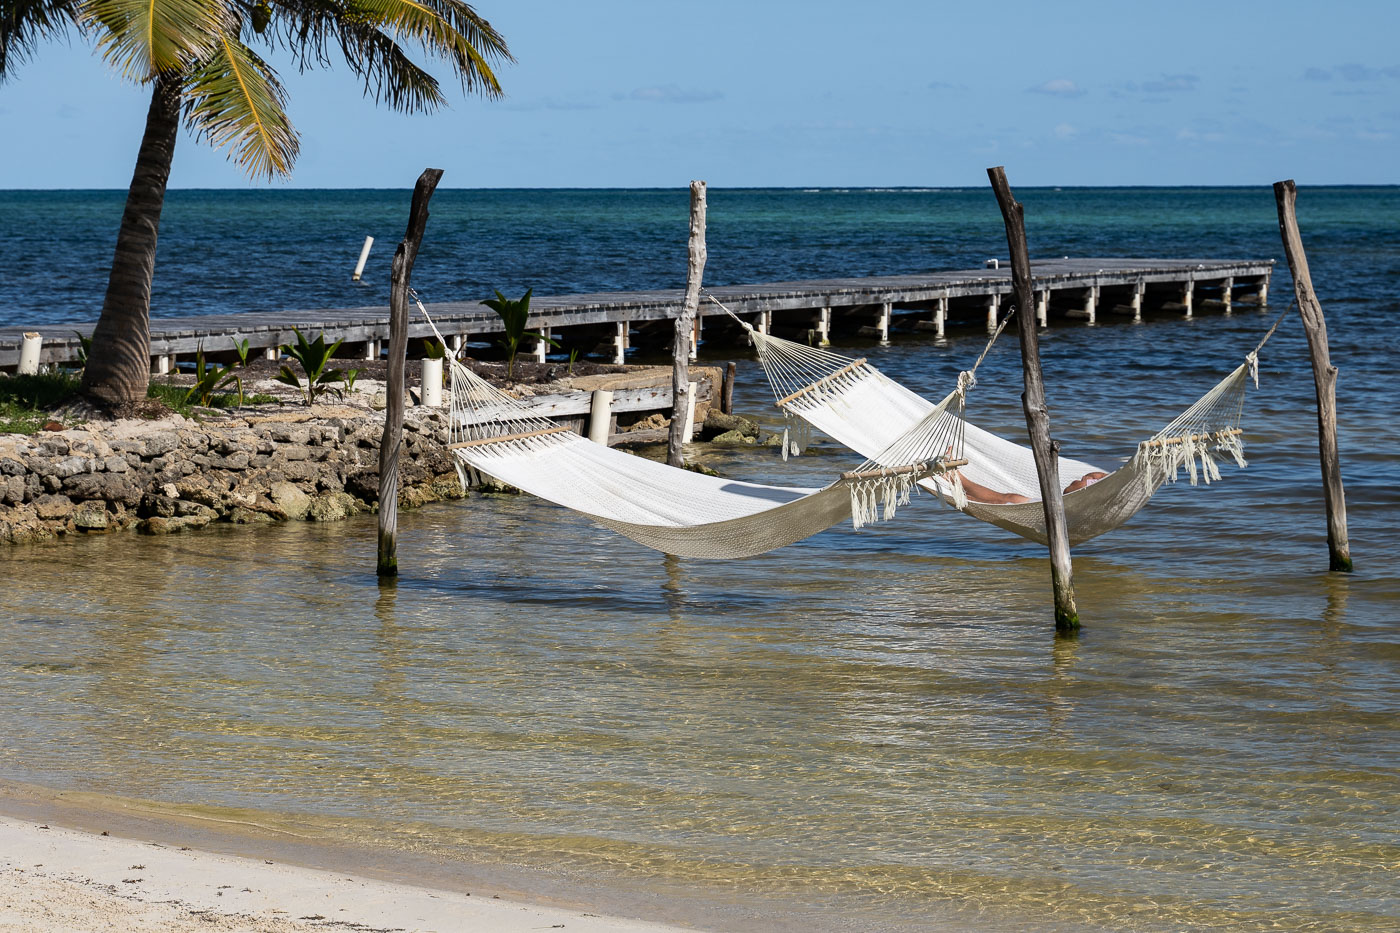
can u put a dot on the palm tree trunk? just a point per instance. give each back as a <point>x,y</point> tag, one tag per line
<point>119,362</point>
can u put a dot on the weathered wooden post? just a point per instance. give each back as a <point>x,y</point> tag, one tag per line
<point>1324,375</point>
<point>685,327</point>
<point>1047,451</point>
<point>726,392</point>
<point>399,280</point>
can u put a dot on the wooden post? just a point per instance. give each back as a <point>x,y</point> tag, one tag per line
<point>399,281</point>
<point>993,311</point>
<point>1042,308</point>
<point>680,371</point>
<point>886,313</point>
<point>726,392</point>
<point>620,344</point>
<point>1091,304</point>
<point>1046,451</point>
<point>1188,292</point>
<point>1324,376</point>
<point>1139,290</point>
<point>1226,291</point>
<point>940,318</point>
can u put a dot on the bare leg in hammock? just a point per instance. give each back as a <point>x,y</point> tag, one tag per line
<point>985,494</point>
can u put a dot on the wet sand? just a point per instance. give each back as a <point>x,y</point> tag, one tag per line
<point>58,879</point>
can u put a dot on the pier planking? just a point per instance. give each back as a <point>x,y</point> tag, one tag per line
<point>1072,288</point>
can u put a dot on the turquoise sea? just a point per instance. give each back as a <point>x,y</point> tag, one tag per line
<point>863,731</point>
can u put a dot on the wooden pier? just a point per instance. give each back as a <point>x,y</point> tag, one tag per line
<point>607,324</point>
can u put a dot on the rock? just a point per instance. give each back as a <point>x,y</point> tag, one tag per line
<point>237,460</point>
<point>290,433</point>
<point>332,506</point>
<point>295,452</point>
<point>10,467</point>
<point>53,507</point>
<point>170,490</point>
<point>116,464</point>
<point>240,515</point>
<point>91,517</point>
<point>69,466</point>
<point>158,506</point>
<point>379,402</point>
<point>363,485</point>
<point>12,489</point>
<point>290,500</point>
<point>159,444</point>
<point>717,423</point>
<point>732,439</point>
<point>109,487</point>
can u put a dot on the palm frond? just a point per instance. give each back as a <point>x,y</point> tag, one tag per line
<point>448,29</point>
<point>234,100</point>
<point>26,23</point>
<point>389,74</point>
<point>142,38</point>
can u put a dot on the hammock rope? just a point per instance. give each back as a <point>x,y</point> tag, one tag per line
<point>495,434</point>
<point>853,402</point>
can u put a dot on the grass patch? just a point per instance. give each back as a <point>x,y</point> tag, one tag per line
<point>26,401</point>
<point>174,398</point>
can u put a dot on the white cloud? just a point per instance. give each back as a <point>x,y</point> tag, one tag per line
<point>1058,87</point>
<point>1065,131</point>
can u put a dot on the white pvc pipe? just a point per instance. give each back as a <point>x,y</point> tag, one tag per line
<point>431,394</point>
<point>600,417</point>
<point>29,354</point>
<point>364,255</point>
<point>689,432</point>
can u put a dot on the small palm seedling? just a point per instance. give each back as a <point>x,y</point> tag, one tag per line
<point>313,357</point>
<point>347,381</point>
<point>514,315</point>
<point>209,378</point>
<point>437,350</point>
<point>84,347</point>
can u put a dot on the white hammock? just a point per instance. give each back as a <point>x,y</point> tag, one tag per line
<point>859,406</point>
<point>679,511</point>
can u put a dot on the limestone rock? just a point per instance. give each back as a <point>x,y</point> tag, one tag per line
<point>717,423</point>
<point>290,500</point>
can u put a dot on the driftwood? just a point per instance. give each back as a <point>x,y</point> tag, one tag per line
<point>1324,376</point>
<point>399,282</point>
<point>1046,450</point>
<point>685,327</point>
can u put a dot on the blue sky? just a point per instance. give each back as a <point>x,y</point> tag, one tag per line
<point>639,94</point>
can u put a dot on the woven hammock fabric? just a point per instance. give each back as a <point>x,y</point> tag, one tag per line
<point>678,511</point>
<point>862,408</point>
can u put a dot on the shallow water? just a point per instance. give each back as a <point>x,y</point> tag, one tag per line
<point>870,730</point>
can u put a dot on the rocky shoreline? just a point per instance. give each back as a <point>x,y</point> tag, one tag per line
<point>159,477</point>
<point>261,464</point>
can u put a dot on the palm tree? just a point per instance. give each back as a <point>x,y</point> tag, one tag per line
<point>197,58</point>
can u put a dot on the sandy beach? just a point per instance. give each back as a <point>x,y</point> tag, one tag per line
<point>56,879</point>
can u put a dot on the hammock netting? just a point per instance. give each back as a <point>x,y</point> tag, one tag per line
<point>857,405</point>
<point>678,511</point>
<point>906,440</point>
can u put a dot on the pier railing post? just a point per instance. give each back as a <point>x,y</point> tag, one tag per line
<point>1046,451</point>
<point>1324,376</point>
<point>685,327</point>
<point>399,281</point>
